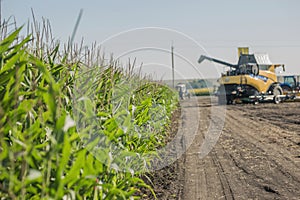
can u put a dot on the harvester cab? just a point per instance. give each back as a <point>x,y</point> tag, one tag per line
<point>251,78</point>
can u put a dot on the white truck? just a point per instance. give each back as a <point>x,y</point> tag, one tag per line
<point>182,91</point>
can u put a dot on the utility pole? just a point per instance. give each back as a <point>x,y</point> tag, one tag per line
<point>172,55</point>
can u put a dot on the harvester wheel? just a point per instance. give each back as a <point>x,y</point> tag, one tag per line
<point>276,100</point>
<point>276,90</point>
<point>230,101</point>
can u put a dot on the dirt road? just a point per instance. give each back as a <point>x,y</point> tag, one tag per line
<point>256,157</point>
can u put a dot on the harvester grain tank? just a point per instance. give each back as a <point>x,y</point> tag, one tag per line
<point>252,79</point>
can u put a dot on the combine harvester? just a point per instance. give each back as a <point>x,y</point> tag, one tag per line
<point>252,79</point>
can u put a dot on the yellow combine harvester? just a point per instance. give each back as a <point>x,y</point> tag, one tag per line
<point>252,79</point>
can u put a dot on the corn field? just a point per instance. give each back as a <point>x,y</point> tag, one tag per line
<point>72,125</point>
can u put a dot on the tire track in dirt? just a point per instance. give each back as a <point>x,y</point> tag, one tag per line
<point>264,139</point>
<point>253,159</point>
<point>284,172</point>
<point>227,190</point>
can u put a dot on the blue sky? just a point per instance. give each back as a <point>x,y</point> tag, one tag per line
<point>271,26</point>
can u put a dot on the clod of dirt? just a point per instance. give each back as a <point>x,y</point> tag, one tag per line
<point>269,189</point>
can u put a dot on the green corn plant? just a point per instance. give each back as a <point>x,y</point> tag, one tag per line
<point>43,153</point>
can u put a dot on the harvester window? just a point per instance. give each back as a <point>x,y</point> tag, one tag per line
<point>248,69</point>
<point>264,67</point>
<point>245,69</point>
